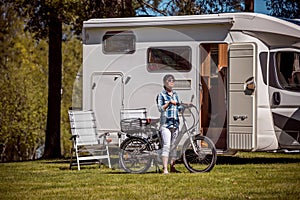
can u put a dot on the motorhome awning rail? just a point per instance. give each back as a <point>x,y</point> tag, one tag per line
<point>157,21</point>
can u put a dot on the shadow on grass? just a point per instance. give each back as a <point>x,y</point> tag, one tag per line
<point>233,160</point>
<point>221,160</point>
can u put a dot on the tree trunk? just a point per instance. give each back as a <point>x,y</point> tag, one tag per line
<point>52,142</point>
<point>127,9</point>
<point>249,5</point>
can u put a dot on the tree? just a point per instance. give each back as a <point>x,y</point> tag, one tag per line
<point>249,5</point>
<point>283,8</point>
<point>22,86</point>
<point>52,142</point>
<point>195,7</point>
<point>89,9</point>
<point>149,7</point>
<point>46,19</point>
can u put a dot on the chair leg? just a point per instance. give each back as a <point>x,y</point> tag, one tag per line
<point>78,165</point>
<point>71,160</point>
<point>108,158</point>
<point>77,158</point>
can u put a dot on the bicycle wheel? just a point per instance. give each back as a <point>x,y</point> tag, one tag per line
<point>203,159</point>
<point>134,156</point>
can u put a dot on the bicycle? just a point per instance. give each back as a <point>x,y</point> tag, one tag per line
<point>139,151</point>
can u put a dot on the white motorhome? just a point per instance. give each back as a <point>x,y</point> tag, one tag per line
<point>242,68</point>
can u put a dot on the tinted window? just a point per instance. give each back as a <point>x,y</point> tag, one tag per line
<point>162,59</point>
<point>117,42</point>
<point>288,69</point>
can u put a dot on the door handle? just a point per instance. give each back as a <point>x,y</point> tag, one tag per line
<point>241,117</point>
<point>249,86</point>
<point>276,98</point>
<point>93,86</point>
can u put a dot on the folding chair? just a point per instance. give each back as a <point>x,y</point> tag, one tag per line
<point>88,146</point>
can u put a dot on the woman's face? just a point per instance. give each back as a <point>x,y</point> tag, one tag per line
<point>170,83</point>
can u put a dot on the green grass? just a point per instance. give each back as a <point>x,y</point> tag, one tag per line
<point>243,176</point>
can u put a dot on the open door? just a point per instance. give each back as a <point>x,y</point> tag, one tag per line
<point>107,99</point>
<point>241,97</point>
<point>213,77</point>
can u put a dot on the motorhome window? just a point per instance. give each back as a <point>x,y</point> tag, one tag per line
<point>161,59</point>
<point>288,69</point>
<point>119,42</point>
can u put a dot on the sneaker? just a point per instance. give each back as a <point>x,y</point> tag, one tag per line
<point>165,171</point>
<point>174,170</point>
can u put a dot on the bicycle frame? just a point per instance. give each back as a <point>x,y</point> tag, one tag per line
<point>188,131</point>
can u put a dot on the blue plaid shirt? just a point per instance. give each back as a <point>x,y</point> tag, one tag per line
<point>168,118</point>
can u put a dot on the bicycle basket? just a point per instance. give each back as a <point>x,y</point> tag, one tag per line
<point>133,124</point>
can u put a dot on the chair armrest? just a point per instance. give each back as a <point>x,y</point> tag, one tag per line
<point>105,140</point>
<point>104,135</point>
<point>73,137</point>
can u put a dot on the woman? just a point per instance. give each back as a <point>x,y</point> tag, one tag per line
<point>168,106</point>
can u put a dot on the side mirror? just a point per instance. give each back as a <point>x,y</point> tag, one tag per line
<point>249,86</point>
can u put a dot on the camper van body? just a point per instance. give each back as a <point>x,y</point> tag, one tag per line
<point>229,62</point>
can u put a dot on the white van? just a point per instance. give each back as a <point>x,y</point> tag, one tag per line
<point>243,69</point>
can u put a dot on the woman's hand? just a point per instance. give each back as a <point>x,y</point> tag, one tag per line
<point>169,103</point>
<point>173,102</point>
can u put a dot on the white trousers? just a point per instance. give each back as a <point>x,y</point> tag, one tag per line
<point>169,139</point>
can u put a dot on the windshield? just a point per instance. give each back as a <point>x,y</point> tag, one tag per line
<point>288,69</point>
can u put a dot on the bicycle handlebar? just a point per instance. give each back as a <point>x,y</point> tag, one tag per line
<point>185,104</point>
<point>195,114</point>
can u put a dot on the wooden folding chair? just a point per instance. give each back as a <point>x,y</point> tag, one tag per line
<point>88,146</point>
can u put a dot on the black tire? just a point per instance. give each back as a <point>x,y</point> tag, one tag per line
<point>205,157</point>
<point>134,155</point>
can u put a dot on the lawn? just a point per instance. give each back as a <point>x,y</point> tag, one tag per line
<point>243,176</point>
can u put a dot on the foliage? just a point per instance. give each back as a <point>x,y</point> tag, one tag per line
<point>284,8</point>
<point>244,176</point>
<point>23,98</point>
<point>85,10</point>
<point>23,85</point>
<point>196,7</point>
<point>69,12</point>
<point>149,7</point>
<point>37,17</point>
<point>46,18</point>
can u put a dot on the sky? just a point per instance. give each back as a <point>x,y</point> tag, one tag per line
<point>260,7</point>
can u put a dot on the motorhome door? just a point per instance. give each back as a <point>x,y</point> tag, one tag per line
<point>107,99</point>
<point>241,109</point>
